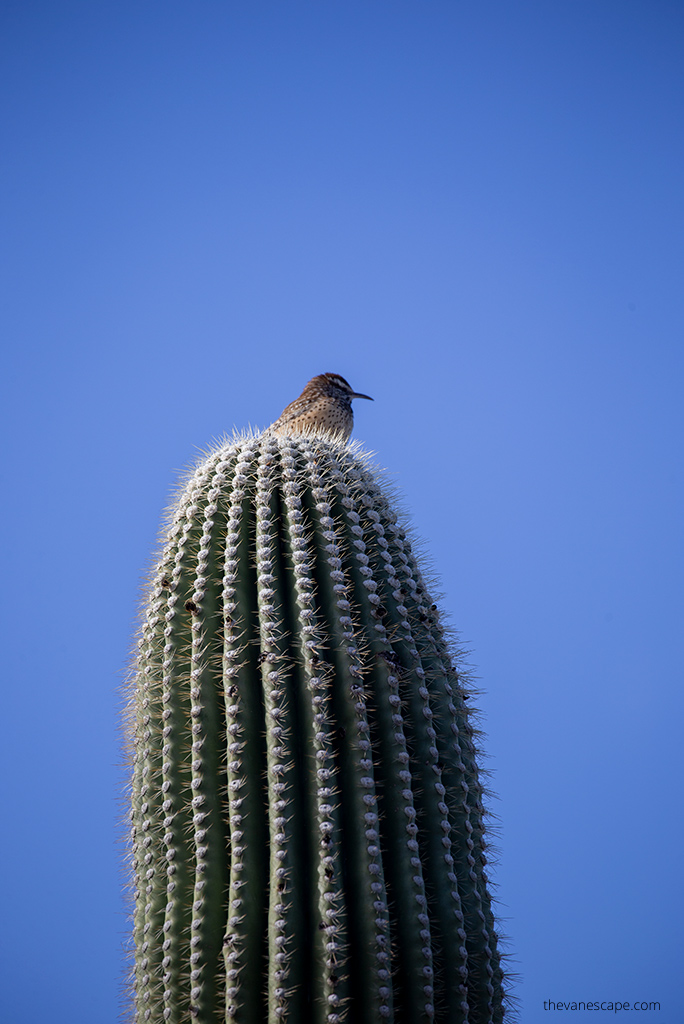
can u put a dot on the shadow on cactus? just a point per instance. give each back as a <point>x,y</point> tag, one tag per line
<point>307,822</point>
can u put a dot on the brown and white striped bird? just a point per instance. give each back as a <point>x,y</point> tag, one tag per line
<point>326,403</point>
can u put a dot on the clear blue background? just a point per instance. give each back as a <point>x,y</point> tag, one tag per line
<point>473,211</point>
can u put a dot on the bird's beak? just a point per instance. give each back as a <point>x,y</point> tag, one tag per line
<point>361,396</point>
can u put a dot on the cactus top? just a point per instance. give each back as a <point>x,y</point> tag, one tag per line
<point>307,821</point>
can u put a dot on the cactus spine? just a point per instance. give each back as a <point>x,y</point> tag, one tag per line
<point>307,820</point>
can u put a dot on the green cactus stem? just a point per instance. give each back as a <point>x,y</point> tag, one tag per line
<point>307,821</point>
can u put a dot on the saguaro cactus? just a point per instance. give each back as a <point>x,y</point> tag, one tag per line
<point>307,821</point>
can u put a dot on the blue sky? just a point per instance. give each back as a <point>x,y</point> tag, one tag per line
<point>473,211</point>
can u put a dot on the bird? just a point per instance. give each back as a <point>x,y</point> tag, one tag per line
<point>325,403</point>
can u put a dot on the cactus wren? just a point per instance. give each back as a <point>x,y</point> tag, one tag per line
<point>325,402</point>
